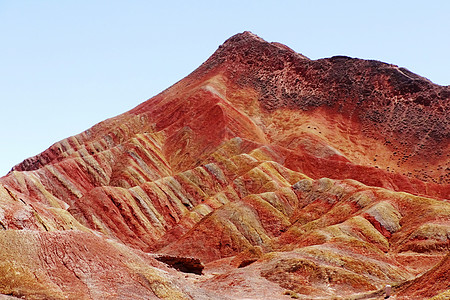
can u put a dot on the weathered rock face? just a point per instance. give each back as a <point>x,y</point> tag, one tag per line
<point>261,175</point>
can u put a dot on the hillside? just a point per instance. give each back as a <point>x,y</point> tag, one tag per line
<point>261,175</point>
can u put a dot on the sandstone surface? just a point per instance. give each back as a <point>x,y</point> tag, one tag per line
<point>261,175</point>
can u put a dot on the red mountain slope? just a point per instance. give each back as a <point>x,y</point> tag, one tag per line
<point>283,177</point>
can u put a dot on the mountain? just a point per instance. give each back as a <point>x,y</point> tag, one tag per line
<point>261,175</point>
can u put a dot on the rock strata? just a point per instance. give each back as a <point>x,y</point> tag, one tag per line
<point>261,175</point>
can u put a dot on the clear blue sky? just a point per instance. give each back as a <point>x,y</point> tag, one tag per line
<point>67,65</point>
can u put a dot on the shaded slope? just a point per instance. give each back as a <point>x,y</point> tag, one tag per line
<point>406,112</point>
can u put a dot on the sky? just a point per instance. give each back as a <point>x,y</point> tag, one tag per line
<point>67,65</point>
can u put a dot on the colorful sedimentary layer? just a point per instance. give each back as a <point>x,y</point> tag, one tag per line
<point>261,175</point>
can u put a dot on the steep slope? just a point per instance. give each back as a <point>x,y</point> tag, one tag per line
<point>283,176</point>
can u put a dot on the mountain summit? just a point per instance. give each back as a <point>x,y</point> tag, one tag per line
<point>263,175</point>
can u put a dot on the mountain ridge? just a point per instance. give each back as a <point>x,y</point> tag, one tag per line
<point>427,117</point>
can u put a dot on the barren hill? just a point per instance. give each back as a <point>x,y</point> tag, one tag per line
<point>261,175</point>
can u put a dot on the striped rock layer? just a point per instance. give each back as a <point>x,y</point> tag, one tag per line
<point>273,175</point>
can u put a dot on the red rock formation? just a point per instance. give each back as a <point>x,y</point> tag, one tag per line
<point>284,176</point>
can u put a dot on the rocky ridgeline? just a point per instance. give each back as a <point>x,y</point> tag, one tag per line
<point>263,174</point>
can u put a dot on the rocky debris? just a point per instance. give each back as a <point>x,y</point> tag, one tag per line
<point>183,264</point>
<point>246,262</point>
<point>271,175</point>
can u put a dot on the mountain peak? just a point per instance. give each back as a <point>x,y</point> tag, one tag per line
<point>246,35</point>
<point>251,38</point>
<point>248,44</point>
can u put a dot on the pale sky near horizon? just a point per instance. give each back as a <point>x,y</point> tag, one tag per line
<point>67,65</point>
